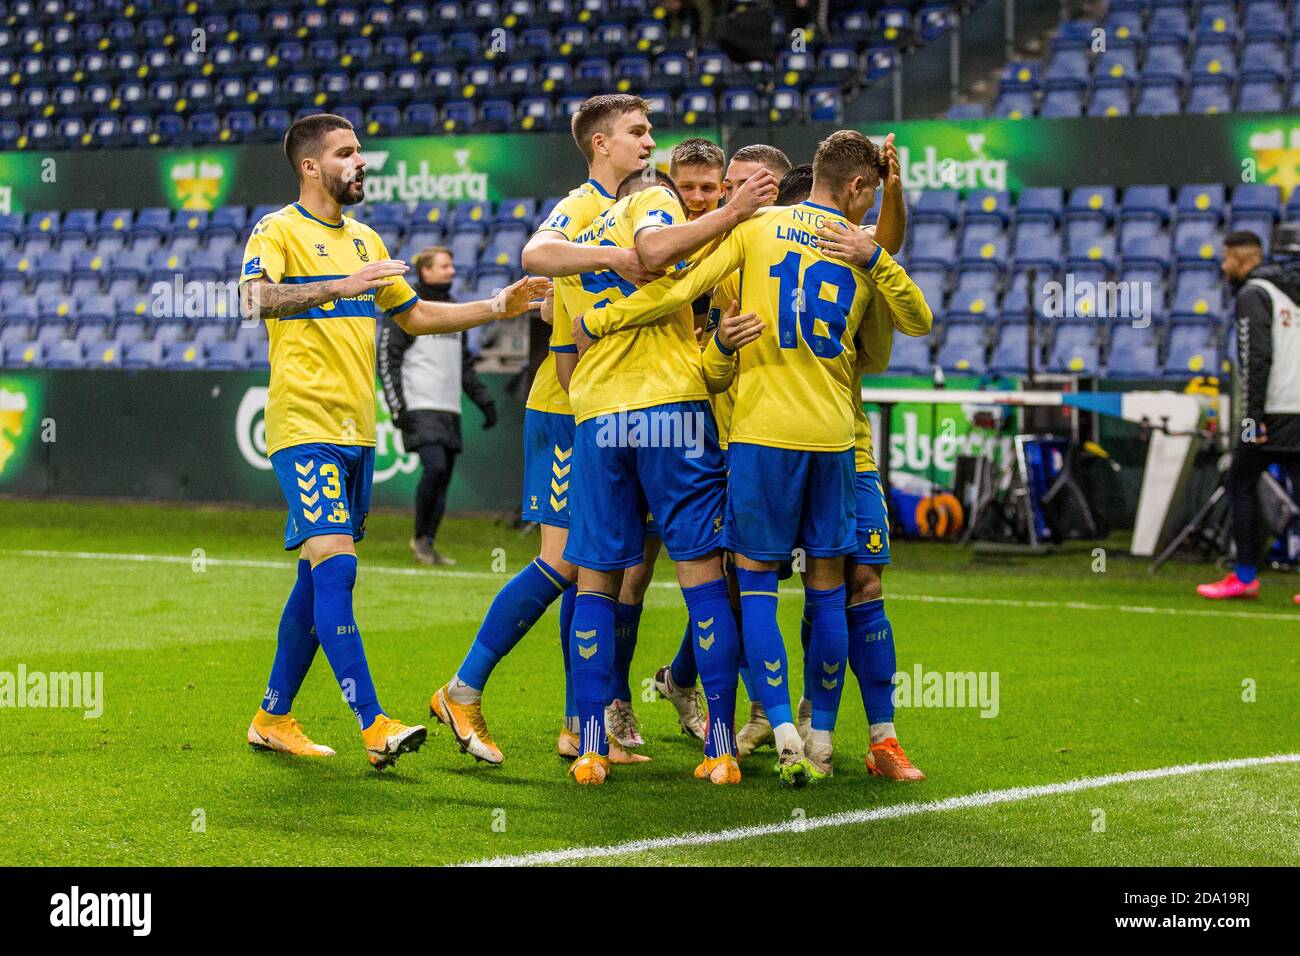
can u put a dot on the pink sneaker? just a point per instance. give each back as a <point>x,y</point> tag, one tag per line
<point>1229,587</point>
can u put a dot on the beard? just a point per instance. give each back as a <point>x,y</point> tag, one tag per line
<point>345,192</point>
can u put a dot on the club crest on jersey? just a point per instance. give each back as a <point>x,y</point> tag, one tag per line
<point>320,249</point>
<point>875,541</point>
<point>361,250</point>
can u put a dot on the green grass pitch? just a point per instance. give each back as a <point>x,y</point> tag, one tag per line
<point>1091,682</point>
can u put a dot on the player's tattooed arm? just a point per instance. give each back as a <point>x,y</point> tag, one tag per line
<point>263,299</point>
<point>433,318</point>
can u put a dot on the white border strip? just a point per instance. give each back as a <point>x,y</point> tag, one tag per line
<point>367,568</point>
<point>985,798</point>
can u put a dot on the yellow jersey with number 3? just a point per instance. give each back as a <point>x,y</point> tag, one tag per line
<point>654,364</point>
<point>796,380</point>
<point>570,218</point>
<point>323,359</point>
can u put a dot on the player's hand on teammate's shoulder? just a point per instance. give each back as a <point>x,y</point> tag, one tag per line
<point>851,245</point>
<point>520,296</point>
<point>581,339</point>
<point>376,275</point>
<point>735,331</point>
<point>758,191</point>
<point>627,263</point>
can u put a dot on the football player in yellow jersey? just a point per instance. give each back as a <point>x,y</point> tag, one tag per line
<point>871,636</point>
<point>676,681</point>
<point>695,168</point>
<point>792,432</point>
<point>319,280</point>
<point>645,442</point>
<point>613,134</point>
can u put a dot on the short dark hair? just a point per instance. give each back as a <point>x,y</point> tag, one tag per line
<point>697,151</point>
<point>795,186</point>
<point>769,156</point>
<point>306,137</point>
<point>642,178</point>
<point>1243,238</point>
<point>595,114</point>
<point>845,154</point>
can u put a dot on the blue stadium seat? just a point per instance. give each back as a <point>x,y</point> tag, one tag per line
<point>911,355</point>
<point>1110,101</point>
<point>1040,203</point>
<point>937,205</point>
<point>1134,353</point>
<point>972,307</point>
<point>1075,350</point>
<point>988,205</point>
<point>1014,106</point>
<point>1151,251</point>
<point>1145,202</point>
<point>1259,97</point>
<point>1062,104</point>
<point>1205,201</point>
<point>1011,349</point>
<point>1257,198</point>
<point>1092,203</point>
<point>1192,351</point>
<point>1196,305</point>
<point>963,349</point>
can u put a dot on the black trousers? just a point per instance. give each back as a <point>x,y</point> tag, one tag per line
<point>1249,461</point>
<point>431,493</point>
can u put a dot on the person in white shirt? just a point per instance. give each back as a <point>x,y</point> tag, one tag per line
<point>422,379</point>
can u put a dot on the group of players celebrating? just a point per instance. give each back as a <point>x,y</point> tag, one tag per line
<point>700,395</point>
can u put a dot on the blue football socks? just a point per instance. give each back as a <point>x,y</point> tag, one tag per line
<point>871,655</point>
<point>591,655</point>
<point>336,628</point>
<point>717,653</point>
<point>828,649</point>
<point>295,646</point>
<point>765,649</point>
<point>514,610</point>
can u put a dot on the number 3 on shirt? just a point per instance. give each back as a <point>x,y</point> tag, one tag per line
<point>800,305</point>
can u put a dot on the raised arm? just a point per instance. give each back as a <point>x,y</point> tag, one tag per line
<point>550,253</point>
<point>650,303</point>
<point>891,225</point>
<point>432,318</point>
<point>661,247</point>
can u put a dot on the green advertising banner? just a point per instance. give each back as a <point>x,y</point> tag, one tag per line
<point>200,436</point>
<point>925,439</point>
<point>935,154</point>
<point>415,169</point>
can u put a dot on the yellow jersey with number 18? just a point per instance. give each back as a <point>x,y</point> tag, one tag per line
<point>323,359</point>
<point>570,217</point>
<point>653,364</point>
<point>796,379</point>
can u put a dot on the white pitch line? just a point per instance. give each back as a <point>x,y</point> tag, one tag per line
<point>986,798</point>
<point>491,575</point>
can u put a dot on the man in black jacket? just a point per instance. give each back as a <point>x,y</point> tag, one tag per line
<point>423,378</point>
<point>1268,386</point>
